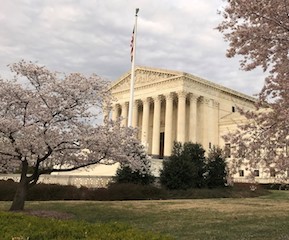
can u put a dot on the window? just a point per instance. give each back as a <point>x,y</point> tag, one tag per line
<point>227,150</point>
<point>241,150</point>
<point>287,150</point>
<point>241,173</point>
<point>210,145</point>
<point>233,109</point>
<point>256,173</point>
<point>272,172</point>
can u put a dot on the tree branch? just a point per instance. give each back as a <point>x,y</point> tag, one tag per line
<point>48,171</point>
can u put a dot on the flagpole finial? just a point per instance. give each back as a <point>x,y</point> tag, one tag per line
<point>136,11</point>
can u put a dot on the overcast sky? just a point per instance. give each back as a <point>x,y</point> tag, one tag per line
<point>93,36</point>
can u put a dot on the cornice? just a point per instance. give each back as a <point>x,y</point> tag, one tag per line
<point>218,87</point>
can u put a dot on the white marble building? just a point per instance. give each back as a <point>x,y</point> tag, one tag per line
<point>176,106</point>
<point>173,106</point>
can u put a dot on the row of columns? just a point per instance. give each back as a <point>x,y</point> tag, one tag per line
<point>181,119</point>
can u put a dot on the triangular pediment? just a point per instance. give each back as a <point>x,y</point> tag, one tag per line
<point>144,76</point>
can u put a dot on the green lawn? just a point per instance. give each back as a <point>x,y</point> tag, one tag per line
<point>266,217</point>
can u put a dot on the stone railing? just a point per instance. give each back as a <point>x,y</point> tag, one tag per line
<point>268,180</point>
<point>75,180</point>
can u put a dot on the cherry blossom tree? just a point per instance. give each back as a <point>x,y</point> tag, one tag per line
<point>47,124</point>
<point>258,31</point>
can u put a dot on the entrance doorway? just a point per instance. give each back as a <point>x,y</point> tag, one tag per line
<point>162,145</point>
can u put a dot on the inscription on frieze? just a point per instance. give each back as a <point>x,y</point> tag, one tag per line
<point>143,76</point>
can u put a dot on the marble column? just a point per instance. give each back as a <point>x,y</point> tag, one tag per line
<point>106,110</point>
<point>200,120</point>
<point>206,123</point>
<point>145,121</point>
<point>193,118</point>
<point>135,114</point>
<point>115,112</point>
<point>181,125</point>
<point>211,124</point>
<point>156,126</point>
<point>105,113</point>
<point>216,122</point>
<point>168,125</point>
<point>124,113</point>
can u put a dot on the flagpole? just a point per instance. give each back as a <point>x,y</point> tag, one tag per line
<point>131,99</point>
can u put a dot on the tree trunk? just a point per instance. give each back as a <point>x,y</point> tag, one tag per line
<point>20,196</point>
<point>22,189</point>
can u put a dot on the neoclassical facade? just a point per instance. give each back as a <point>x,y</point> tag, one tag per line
<point>176,106</point>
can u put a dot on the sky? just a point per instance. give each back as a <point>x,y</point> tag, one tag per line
<point>93,36</point>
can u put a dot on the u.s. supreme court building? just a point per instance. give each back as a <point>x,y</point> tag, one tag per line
<point>176,106</point>
<point>169,106</point>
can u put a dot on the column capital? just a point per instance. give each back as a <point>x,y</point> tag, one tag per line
<point>216,104</point>
<point>207,101</point>
<point>124,103</point>
<point>157,98</point>
<point>136,103</point>
<point>204,100</point>
<point>169,96</point>
<point>211,102</point>
<point>194,97</point>
<point>182,94</point>
<point>117,106</point>
<point>146,100</point>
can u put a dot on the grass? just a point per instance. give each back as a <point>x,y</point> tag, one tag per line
<point>22,227</point>
<point>265,217</point>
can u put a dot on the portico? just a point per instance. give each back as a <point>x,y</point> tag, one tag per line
<point>175,106</point>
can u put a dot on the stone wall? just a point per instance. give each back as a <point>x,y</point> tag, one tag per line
<point>78,181</point>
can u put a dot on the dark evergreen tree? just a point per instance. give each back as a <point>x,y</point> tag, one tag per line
<point>216,169</point>
<point>125,174</point>
<point>185,168</point>
<point>143,176</point>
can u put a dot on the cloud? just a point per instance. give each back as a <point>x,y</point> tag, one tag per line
<point>93,36</point>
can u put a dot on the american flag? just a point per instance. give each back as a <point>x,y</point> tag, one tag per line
<point>131,46</point>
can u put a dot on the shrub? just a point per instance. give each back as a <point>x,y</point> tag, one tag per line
<point>7,190</point>
<point>125,174</point>
<point>216,169</point>
<point>43,191</point>
<point>126,191</point>
<point>185,168</point>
